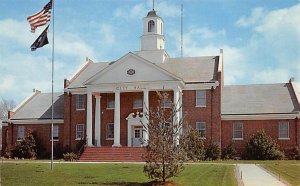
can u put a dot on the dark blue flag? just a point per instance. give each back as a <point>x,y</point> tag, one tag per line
<point>41,40</point>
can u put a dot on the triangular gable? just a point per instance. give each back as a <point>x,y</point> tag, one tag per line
<point>131,68</point>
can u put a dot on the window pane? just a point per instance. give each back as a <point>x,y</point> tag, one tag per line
<point>201,127</point>
<point>21,131</point>
<point>200,98</point>
<point>138,103</point>
<point>238,130</point>
<point>79,131</point>
<point>79,102</point>
<point>166,103</point>
<point>110,101</point>
<point>110,131</point>
<point>283,130</point>
<point>55,132</point>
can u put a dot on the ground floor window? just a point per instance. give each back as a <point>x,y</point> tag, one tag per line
<point>21,132</point>
<point>237,131</point>
<point>110,131</point>
<point>55,132</point>
<point>201,127</point>
<point>284,130</point>
<point>79,131</point>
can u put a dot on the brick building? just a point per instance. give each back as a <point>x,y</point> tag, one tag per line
<point>101,101</point>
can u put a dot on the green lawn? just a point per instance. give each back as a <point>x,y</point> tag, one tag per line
<point>16,173</point>
<point>288,170</point>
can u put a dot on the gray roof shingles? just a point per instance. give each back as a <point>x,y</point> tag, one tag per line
<point>259,99</point>
<point>39,107</point>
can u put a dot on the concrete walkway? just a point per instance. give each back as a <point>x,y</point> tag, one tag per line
<point>253,175</point>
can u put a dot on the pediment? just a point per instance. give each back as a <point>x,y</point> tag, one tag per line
<point>131,68</point>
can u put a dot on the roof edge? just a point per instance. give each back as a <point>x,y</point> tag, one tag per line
<point>25,101</point>
<point>295,89</point>
<point>81,69</point>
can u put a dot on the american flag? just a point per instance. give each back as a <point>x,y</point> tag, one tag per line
<point>40,18</point>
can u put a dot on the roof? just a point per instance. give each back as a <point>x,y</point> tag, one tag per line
<point>189,69</point>
<point>193,69</point>
<point>87,73</point>
<point>259,99</point>
<point>151,13</point>
<point>39,107</point>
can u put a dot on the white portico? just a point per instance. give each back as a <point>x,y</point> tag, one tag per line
<point>131,73</point>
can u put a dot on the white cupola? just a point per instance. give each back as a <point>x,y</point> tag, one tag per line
<point>153,38</point>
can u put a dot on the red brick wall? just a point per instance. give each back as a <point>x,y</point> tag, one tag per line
<point>43,132</point>
<point>271,128</point>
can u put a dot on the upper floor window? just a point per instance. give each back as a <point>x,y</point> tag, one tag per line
<point>201,127</point>
<point>166,103</point>
<point>110,101</point>
<point>21,132</point>
<point>200,98</point>
<point>284,130</point>
<point>79,102</point>
<point>137,103</point>
<point>237,132</point>
<point>151,26</point>
<point>79,131</point>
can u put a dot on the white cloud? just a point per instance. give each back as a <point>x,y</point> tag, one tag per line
<point>107,34</point>
<point>275,75</point>
<point>256,15</point>
<point>167,9</point>
<point>125,12</point>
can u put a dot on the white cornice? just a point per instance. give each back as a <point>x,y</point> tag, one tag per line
<point>259,116</point>
<point>35,121</point>
<point>199,86</point>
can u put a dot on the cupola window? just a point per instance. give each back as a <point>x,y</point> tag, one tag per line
<point>151,26</point>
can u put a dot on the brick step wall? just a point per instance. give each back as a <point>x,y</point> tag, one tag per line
<point>113,154</point>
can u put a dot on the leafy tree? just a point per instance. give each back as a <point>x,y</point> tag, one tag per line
<point>212,151</point>
<point>25,148</point>
<point>193,144</point>
<point>164,157</point>
<point>261,147</point>
<point>229,152</point>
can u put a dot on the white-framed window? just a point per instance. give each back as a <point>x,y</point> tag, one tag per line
<point>284,130</point>
<point>79,102</point>
<point>151,26</point>
<point>237,131</point>
<point>21,133</point>
<point>79,131</point>
<point>200,98</point>
<point>110,131</point>
<point>110,101</point>
<point>55,132</point>
<point>137,103</point>
<point>166,103</point>
<point>201,127</point>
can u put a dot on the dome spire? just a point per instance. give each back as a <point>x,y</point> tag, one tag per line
<point>153,1</point>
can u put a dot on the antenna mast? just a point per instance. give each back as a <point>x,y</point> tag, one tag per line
<point>153,4</point>
<point>181,42</point>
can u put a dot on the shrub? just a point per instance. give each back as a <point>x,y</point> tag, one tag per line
<point>229,152</point>
<point>70,156</point>
<point>295,153</point>
<point>261,147</point>
<point>212,151</point>
<point>25,148</point>
<point>193,145</point>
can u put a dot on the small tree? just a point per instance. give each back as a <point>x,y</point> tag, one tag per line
<point>212,151</point>
<point>229,152</point>
<point>192,144</point>
<point>164,157</point>
<point>261,147</point>
<point>25,148</point>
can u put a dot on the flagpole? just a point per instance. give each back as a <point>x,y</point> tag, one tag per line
<point>52,85</point>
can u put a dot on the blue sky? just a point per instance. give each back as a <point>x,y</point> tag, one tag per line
<point>260,38</point>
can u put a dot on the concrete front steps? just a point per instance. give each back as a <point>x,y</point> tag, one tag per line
<point>113,154</point>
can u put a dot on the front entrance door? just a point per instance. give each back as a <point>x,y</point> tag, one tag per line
<point>137,137</point>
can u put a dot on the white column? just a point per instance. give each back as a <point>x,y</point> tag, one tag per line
<point>89,116</point>
<point>117,120</point>
<point>177,114</point>
<point>145,113</point>
<point>98,121</point>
